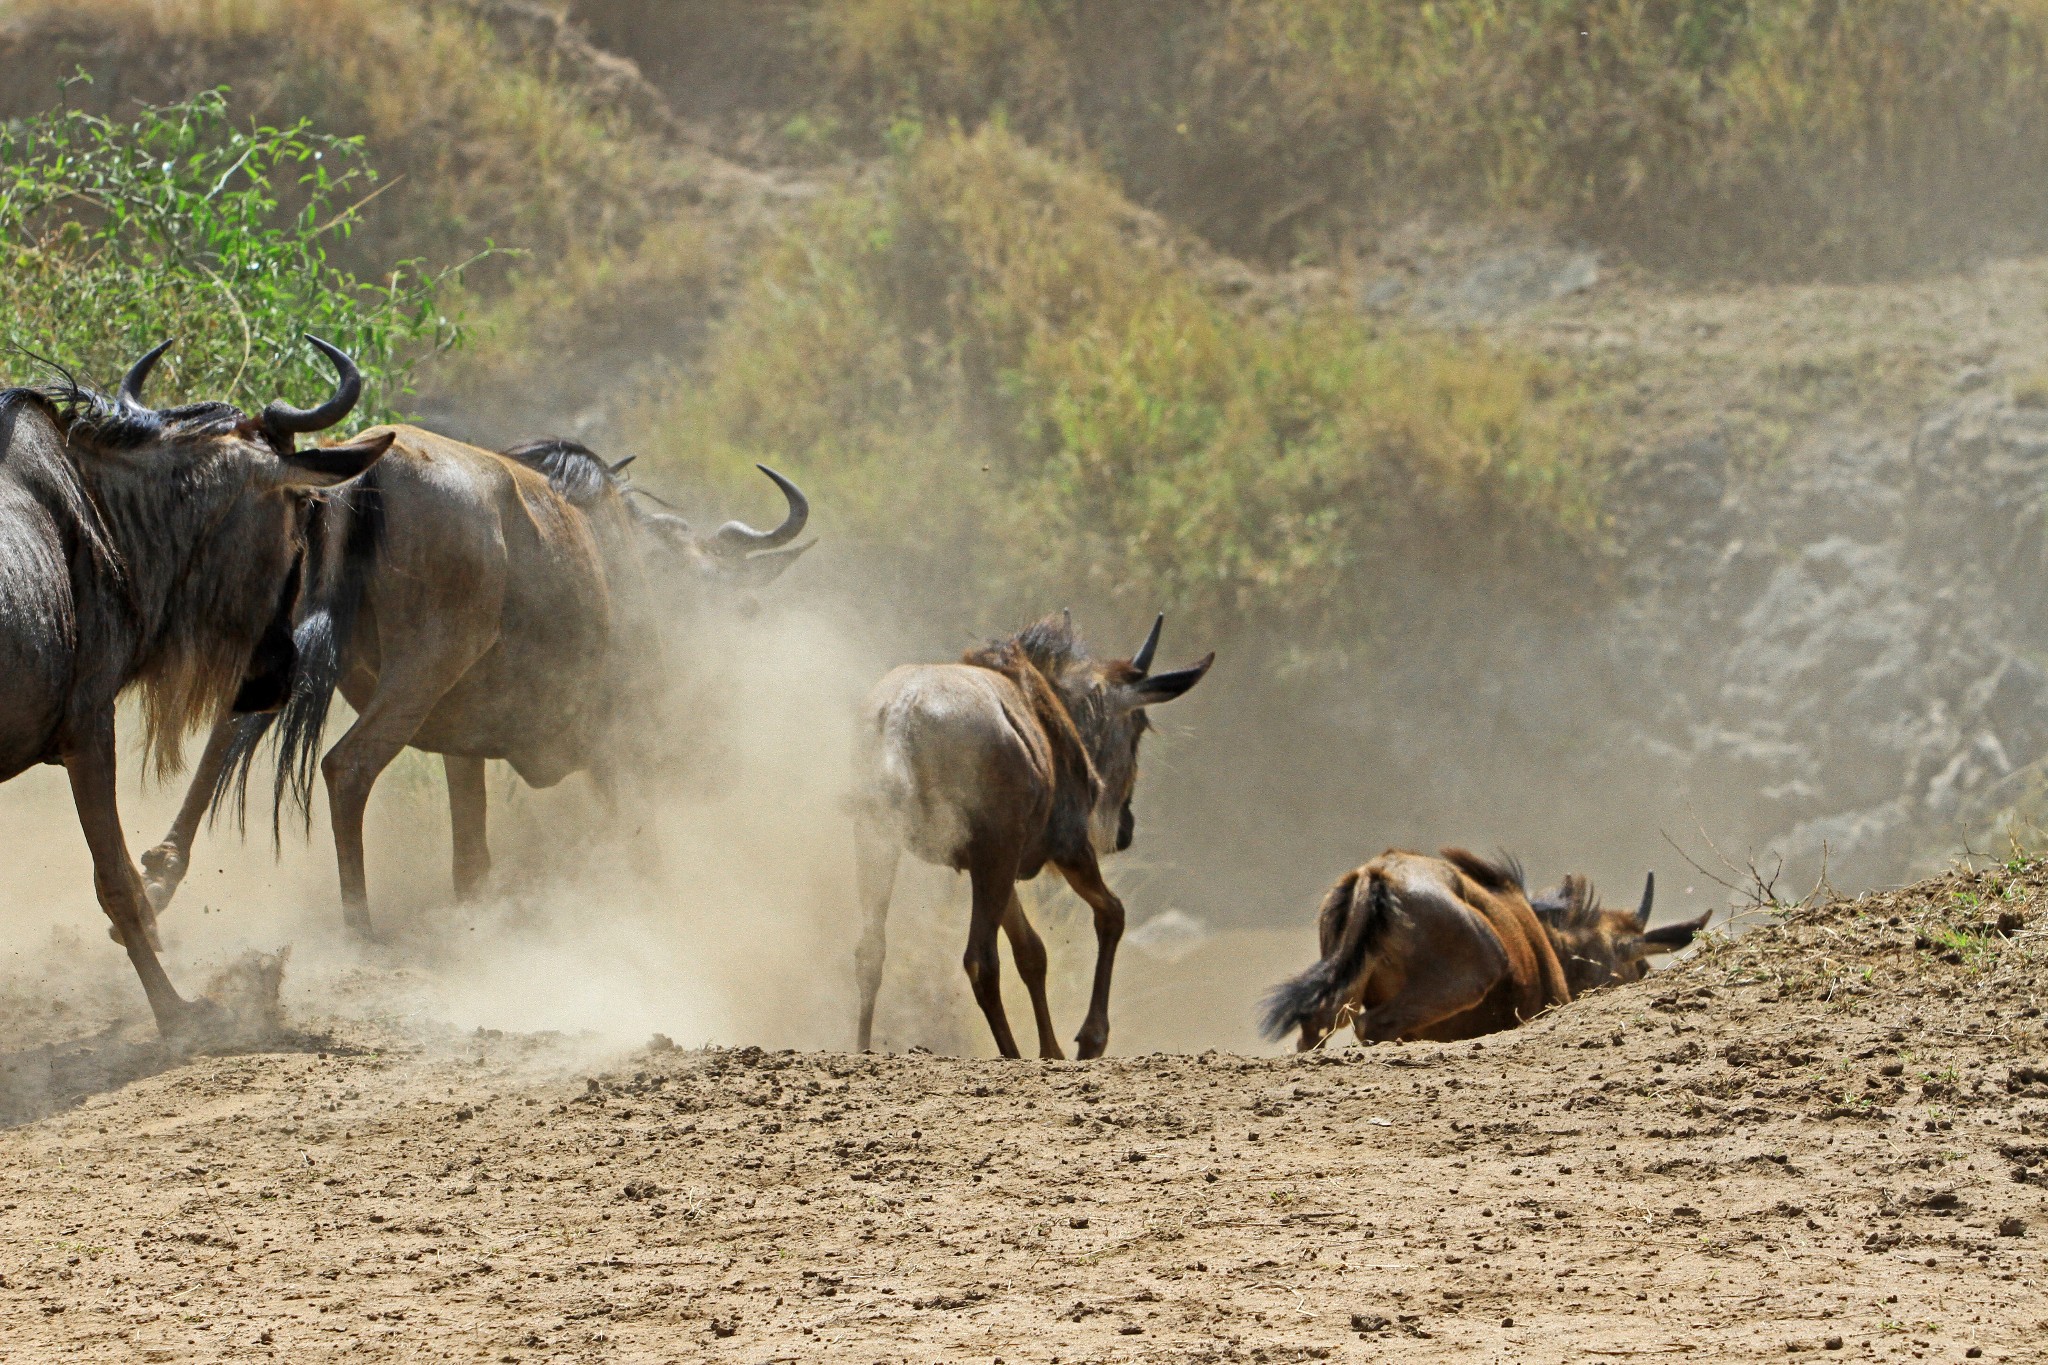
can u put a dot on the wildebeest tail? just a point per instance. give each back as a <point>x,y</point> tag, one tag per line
<point>344,537</point>
<point>1372,902</point>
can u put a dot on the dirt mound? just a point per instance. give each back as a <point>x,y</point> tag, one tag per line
<point>1831,1132</point>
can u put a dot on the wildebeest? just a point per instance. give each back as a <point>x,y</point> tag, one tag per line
<point>1452,947</point>
<point>477,605</point>
<point>150,548</point>
<point>1022,754</point>
<point>1600,947</point>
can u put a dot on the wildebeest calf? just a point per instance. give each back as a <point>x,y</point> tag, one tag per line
<point>1024,753</point>
<point>1452,947</point>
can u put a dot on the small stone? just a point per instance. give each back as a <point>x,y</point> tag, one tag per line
<point>2012,1227</point>
<point>1974,1353</point>
<point>1507,1322</point>
<point>1832,1344</point>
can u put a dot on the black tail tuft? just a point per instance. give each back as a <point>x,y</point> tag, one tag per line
<point>345,537</point>
<point>1294,1002</point>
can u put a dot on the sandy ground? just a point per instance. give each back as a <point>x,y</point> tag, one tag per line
<point>1816,1137</point>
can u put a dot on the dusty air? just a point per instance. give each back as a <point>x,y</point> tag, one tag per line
<point>884,680</point>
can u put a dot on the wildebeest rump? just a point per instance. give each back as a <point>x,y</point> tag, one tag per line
<point>478,605</point>
<point>1024,753</point>
<point>147,548</point>
<point>1452,947</point>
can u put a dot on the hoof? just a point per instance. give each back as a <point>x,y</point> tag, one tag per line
<point>190,1022</point>
<point>163,868</point>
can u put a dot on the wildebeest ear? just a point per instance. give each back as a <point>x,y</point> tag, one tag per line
<point>758,571</point>
<point>1672,937</point>
<point>325,466</point>
<point>1166,686</point>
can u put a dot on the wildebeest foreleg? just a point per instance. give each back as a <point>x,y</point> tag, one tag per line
<point>90,765</point>
<point>1029,951</point>
<point>874,868</point>
<point>993,887</point>
<point>163,867</point>
<point>468,808</point>
<point>1086,879</point>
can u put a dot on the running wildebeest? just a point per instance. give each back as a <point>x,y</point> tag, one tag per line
<point>1448,948</point>
<point>146,548</point>
<point>478,605</point>
<point>1022,754</point>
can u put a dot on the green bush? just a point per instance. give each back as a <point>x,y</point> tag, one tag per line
<point>994,360</point>
<point>177,223</point>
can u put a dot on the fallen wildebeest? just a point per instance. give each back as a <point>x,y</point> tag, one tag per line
<point>1024,753</point>
<point>478,605</point>
<point>147,548</point>
<point>1451,947</point>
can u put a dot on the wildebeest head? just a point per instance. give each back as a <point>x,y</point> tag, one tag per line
<point>735,553</point>
<point>1598,946</point>
<point>215,445</point>
<point>1107,701</point>
<point>200,506</point>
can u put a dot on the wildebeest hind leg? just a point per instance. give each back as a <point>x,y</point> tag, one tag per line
<point>163,867</point>
<point>386,725</point>
<point>468,818</point>
<point>1029,951</point>
<point>1423,1002</point>
<point>874,870</point>
<point>993,887</point>
<point>90,766</point>
<point>1086,879</point>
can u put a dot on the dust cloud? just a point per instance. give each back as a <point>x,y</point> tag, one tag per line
<point>712,904</point>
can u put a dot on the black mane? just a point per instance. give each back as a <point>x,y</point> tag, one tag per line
<point>572,469</point>
<point>1572,905</point>
<point>114,425</point>
<point>1051,643</point>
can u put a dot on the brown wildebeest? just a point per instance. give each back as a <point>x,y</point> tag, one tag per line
<point>477,605</point>
<point>1024,753</point>
<point>147,548</point>
<point>1448,948</point>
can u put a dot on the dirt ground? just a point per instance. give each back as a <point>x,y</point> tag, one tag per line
<point>1817,1136</point>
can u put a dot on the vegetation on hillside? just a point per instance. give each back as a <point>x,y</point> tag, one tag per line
<point>1748,137</point>
<point>993,345</point>
<point>177,223</point>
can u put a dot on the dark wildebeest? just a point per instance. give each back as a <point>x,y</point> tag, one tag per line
<point>148,548</point>
<point>1452,947</point>
<point>477,605</point>
<point>1024,753</point>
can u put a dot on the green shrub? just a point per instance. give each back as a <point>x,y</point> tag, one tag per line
<point>996,361</point>
<point>177,223</point>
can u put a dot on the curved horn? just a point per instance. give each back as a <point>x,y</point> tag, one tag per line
<point>736,537</point>
<point>1649,894</point>
<point>1142,660</point>
<point>282,419</point>
<point>620,467</point>
<point>138,375</point>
